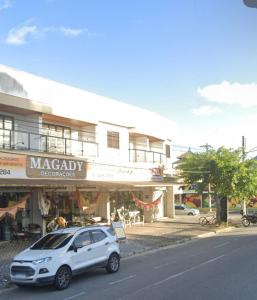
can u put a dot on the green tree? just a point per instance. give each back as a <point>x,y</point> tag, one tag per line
<point>245,181</point>
<point>225,171</point>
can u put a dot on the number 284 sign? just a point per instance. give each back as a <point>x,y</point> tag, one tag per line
<point>12,165</point>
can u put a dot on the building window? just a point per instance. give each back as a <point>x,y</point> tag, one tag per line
<point>55,140</point>
<point>167,151</point>
<point>6,125</point>
<point>113,139</point>
<point>56,130</point>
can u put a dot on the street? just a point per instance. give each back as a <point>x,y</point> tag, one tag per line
<point>219,267</point>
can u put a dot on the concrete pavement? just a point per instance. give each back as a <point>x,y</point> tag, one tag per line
<point>140,239</point>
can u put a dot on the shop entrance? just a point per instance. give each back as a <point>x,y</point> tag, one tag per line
<point>123,208</point>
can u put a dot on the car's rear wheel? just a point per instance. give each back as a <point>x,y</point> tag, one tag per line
<point>190,214</point>
<point>113,264</point>
<point>62,278</point>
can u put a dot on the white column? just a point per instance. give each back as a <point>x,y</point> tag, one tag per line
<point>147,197</point>
<point>170,202</point>
<point>104,205</point>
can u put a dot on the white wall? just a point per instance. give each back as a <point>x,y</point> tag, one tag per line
<point>81,105</point>
<point>112,155</point>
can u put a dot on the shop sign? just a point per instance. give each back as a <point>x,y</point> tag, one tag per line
<point>116,173</point>
<point>12,165</point>
<point>157,174</point>
<point>47,167</point>
<point>118,228</point>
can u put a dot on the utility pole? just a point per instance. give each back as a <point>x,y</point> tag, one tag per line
<point>207,148</point>
<point>243,147</point>
<point>209,196</point>
<point>243,158</point>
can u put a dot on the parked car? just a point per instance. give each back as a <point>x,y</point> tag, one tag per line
<point>61,254</point>
<point>185,210</point>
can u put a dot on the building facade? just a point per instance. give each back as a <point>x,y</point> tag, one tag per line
<point>65,152</point>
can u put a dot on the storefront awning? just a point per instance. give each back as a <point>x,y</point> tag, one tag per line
<point>77,184</point>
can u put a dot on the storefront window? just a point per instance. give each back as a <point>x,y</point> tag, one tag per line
<point>122,205</point>
<point>12,214</point>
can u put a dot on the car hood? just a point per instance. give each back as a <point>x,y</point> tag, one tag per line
<point>30,255</point>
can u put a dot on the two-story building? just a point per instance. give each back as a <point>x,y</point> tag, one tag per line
<point>67,152</point>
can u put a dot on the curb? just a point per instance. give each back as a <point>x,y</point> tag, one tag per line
<point>179,243</point>
<point>212,233</point>
<point>7,289</point>
<point>154,250</point>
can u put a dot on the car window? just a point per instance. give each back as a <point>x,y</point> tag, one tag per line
<point>52,241</point>
<point>65,242</point>
<point>111,231</point>
<point>83,239</point>
<point>98,235</point>
<point>179,207</point>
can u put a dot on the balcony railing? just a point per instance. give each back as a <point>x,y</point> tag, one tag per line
<point>22,140</point>
<point>136,155</point>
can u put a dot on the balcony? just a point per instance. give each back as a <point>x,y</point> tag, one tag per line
<point>28,141</point>
<point>145,156</point>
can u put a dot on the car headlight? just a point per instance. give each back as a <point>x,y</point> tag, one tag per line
<point>41,260</point>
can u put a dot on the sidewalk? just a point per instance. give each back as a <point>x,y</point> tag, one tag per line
<point>140,238</point>
<point>168,232</point>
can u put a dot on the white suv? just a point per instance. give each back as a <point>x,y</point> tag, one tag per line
<point>59,255</point>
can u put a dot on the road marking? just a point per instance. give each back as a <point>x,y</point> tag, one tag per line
<point>188,270</point>
<point>164,265</point>
<point>75,296</point>
<point>220,245</point>
<point>174,276</point>
<point>123,279</point>
<point>211,260</point>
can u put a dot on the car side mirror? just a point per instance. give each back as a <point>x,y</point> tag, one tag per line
<point>76,246</point>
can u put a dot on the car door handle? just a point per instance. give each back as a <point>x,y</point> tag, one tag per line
<point>107,243</point>
<point>89,249</point>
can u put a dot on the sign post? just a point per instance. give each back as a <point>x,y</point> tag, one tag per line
<point>119,230</point>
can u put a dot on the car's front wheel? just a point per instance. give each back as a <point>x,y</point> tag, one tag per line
<point>190,214</point>
<point>62,278</point>
<point>113,264</point>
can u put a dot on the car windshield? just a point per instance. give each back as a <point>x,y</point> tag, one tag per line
<point>52,241</point>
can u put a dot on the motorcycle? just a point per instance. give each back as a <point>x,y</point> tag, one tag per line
<point>248,219</point>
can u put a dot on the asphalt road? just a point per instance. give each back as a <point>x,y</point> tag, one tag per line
<point>219,267</point>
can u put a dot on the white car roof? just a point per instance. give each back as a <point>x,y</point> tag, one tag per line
<point>73,230</point>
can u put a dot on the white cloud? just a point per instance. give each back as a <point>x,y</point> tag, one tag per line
<point>4,4</point>
<point>244,95</point>
<point>71,32</point>
<point>206,110</point>
<point>18,35</point>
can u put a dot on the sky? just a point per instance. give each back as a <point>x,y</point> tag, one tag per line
<point>193,62</point>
